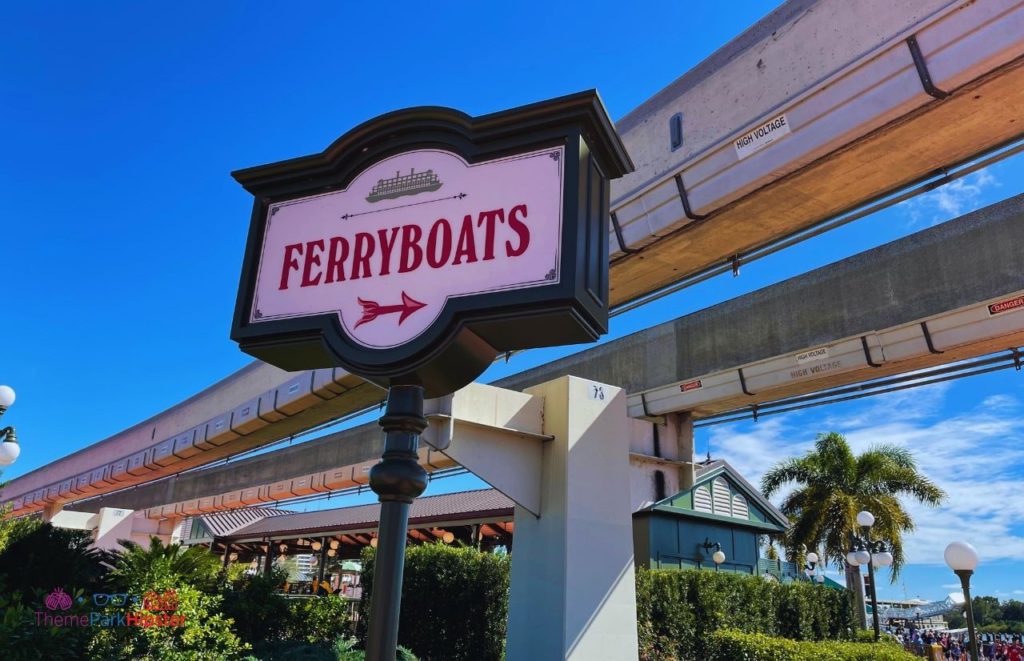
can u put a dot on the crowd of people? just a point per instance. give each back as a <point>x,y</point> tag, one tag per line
<point>956,645</point>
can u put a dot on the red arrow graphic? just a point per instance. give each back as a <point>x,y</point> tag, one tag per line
<point>372,309</point>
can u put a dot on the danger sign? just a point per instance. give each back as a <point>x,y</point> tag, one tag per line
<point>691,385</point>
<point>1007,305</point>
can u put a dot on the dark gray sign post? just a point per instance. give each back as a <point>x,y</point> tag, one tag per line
<point>397,479</point>
<point>416,249</point>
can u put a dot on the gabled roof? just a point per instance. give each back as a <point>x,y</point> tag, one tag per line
<point>464,505</point>
<point>709,470</point>
<point>220,524</point>
<point>704,474</point>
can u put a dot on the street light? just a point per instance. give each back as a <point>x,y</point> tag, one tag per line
<point>718,556</point>
<point>811,563</point>
<point>963,560</point>
<point>9,448</point>
<point>864,551</point>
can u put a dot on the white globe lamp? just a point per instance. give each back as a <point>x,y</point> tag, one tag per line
<point>6,397</point>
<point>961,556</point>
<point>883,559</point>
<point>9,450</point>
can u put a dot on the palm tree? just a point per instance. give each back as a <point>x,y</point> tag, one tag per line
<point>834,484</point>
<point>136,567</point>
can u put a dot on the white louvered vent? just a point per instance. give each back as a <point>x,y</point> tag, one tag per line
<point>702,499</point>
<point>739,507</point>
<point>722,497</point>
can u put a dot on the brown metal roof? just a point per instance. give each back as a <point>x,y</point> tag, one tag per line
<point>224,523</point>
<point>464,505</point>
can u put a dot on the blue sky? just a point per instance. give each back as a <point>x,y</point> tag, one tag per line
<point>123,232</point>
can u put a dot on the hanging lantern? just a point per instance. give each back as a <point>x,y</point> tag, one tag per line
<point>448,537</point>
<point>373,542</point>
<point>331,553</point>
<point>334,544</point>
<point>317,546</point>
<point>233,556</point>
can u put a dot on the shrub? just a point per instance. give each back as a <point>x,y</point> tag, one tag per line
<point>454,606</point>
<point>454,602</point>
<point>726,645</point>
<point>204,634</point>
<point>289,650</point>
<point>259,611</point>
<point>23,637</point>
<point>345,649</point>
<point>677,611</point>
<point>317,619</point>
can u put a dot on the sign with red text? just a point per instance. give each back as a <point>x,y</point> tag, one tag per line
<point>407,235</point>
<point>1015,303</point>
<point>423,243</point>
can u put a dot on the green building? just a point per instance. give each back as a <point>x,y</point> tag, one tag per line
<point>721,511</point>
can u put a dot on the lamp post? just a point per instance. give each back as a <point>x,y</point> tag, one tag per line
<point>811,563</point>
<point>864,551</point>
<point>718,556</point>
<point>9,448</point>
<point>963,559</point>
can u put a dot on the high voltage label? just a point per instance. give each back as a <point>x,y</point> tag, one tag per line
<point>762,136</point>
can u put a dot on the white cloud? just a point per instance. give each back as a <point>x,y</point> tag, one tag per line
<point>974,455</point>
<point>956,198</point>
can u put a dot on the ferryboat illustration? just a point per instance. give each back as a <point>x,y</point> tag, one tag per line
<point>404,184</point>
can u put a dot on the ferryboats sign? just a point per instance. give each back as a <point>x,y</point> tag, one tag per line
<point>423,243</point>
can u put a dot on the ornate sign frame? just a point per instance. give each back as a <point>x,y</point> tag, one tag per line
<point>470,331</point>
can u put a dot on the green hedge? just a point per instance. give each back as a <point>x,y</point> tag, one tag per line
<point>455,605</point>
<point>677,611</point>
<point>728,645</point>
<point>316,619</point>
<point>454,602</point>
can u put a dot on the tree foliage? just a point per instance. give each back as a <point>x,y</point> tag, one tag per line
<point>12,529</point>
<point>138,568</point>
<point>991,615</point>
<point>833,485</point>
<point>259,611</point>
<point>205,633</point>
<point>43,557</point>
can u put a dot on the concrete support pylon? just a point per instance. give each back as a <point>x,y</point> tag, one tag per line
<point>573,592</point>
<point>683,423</point>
